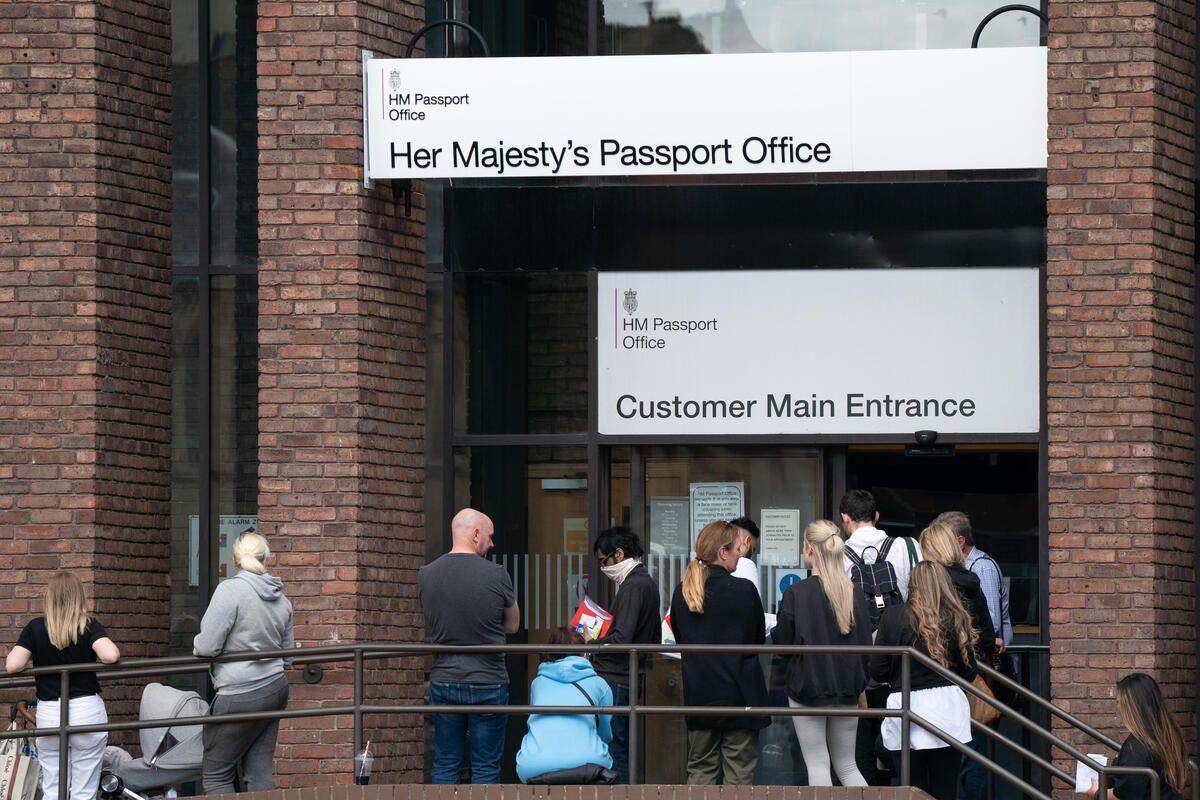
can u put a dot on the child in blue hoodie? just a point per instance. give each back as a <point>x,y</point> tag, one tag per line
<point>557,742</point>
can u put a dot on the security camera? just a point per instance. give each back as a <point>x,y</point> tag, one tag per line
<point>925,438</point>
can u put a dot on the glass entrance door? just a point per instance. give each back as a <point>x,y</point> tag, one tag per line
<point>666,494</point>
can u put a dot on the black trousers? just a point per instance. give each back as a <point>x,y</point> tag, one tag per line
<point>934,771</point>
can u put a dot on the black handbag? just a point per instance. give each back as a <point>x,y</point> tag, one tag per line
<point>585,774</point>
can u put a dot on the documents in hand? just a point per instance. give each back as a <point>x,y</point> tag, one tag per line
<point>1084,775</point>
<point>590,620</point>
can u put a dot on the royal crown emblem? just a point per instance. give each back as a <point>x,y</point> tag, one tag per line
<point>394,79</point>
<point>630,303</point>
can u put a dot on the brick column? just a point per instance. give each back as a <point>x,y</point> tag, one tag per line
<point>341,401</point>
<point>1120,338</point>
<point>85,193</point>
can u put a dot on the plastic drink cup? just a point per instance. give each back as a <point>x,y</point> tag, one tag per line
<point>362,768</point>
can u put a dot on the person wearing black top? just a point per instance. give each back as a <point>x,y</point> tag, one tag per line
<point>711,606</point>
<point>938,543</point>
<point>1155,741</point>
<point>825,609</point>
<point>65,634</point>
<point>935,623</point>
<point>635,620</point>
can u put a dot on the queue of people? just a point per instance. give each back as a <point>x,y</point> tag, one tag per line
<point>940,595</point>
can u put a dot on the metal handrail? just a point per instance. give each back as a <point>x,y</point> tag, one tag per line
<point>359,653</point>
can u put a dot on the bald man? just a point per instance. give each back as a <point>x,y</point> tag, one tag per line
<point>468,600</point>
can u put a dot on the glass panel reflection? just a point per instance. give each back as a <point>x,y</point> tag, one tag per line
<point>234,393</point>
<point>768,478</point>
<point>186,390</point>
<point>521,353</point>
<point>185,126</point>
<point>634,27</point>
<point>233,109</point>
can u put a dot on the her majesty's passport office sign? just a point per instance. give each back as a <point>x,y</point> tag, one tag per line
<point>883,111</point>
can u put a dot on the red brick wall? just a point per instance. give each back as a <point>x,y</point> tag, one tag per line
<point>341,401</point>
<point>84,312</point>
<point>1120,322</point>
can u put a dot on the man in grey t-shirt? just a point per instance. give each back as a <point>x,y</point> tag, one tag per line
<point>468,600</point>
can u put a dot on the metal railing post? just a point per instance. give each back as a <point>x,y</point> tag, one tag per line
<point>633,740</point>
<point>990,749</point>
<point>905,700</point>
<point>64,743</point>
<point>358,700</point>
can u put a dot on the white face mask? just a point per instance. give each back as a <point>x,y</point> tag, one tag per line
<point>620,571</point>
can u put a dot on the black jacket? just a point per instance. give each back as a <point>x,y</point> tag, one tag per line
<point>967,584</point>
<point>635,621</point>
<point>894,629</point>
<point>733,614</point>
<point>806,617</point>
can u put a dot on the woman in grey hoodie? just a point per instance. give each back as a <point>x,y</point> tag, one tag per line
<point>247,612</point>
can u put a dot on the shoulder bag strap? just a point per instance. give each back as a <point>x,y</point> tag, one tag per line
<point>912,552</point>
<point>999,600</point>
<point>591,702</point>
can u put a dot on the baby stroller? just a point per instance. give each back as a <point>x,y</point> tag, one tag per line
<point>170,756</point>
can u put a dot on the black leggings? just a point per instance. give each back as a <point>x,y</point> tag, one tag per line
<point>935,771</point>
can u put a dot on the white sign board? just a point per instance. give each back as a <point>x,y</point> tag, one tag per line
<point>819,351</point>
<point>230,527</point>
<point>779,536</point>
<point>669,532</point>
<point>706,114</point>
<point>715,501</point>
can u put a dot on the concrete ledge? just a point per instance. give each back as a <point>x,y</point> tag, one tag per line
<point>644,792</point>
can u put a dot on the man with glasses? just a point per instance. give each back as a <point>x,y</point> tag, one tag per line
<point>635,621</point>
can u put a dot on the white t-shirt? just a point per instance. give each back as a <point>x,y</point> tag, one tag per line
<point>871,537</point>
<point>749,570</point>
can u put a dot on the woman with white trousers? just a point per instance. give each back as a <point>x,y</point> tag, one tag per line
<point>66,634</point>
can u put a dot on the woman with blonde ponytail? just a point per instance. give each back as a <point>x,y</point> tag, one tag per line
<point>825,610</point>
<point>67,634</point>
<point>934,622</point>
<point>247,612</point>
<point>710,606</point>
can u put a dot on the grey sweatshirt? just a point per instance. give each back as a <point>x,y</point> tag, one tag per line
<point>247,612</point>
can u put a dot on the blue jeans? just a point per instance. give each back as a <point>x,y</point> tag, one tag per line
<point>485,732</point>
<point>972,777</point>
<point>618,748</point>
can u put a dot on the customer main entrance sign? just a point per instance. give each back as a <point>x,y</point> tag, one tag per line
<point>887,111</point>
<point>845,352</point>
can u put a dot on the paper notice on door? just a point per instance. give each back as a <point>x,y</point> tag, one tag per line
<point>1084,775</point>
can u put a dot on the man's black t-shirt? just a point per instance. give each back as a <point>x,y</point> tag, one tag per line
<point>36,639</point>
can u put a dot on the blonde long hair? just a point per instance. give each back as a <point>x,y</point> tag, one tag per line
<point>65,609</point>
<point>713,537</point>
<point>825,543</point>
<point>1144,711</point>
<point>935,610</point>
<point>938,543</point>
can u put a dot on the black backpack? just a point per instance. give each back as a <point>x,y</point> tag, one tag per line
<point>876,579</point>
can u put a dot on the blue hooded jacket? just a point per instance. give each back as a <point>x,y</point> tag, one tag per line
<point>563,741</point>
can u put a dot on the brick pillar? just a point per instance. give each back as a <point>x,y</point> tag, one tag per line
<point>341,401</point>
<point>85,193</point>
<point>1120,346</point>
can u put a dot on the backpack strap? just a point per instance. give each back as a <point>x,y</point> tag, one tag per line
<point>886,547</point>
<point>854,557</point>
<point>590,701</point>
